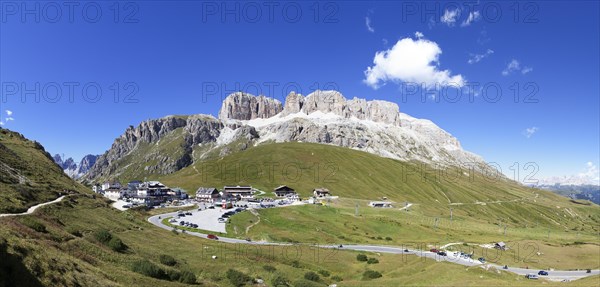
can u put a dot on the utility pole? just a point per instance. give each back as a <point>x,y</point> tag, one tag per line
<point>504,229</point>
<point>356,210</point>
<point>450,214</point>
<point>548,233</point>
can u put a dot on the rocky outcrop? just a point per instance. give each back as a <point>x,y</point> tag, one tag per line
<point>244,120</point>
<point>333,102</point>
<point>141,145</point>
<point>243,106</point>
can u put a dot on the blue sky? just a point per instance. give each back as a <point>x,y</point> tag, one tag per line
<point>166,54</point>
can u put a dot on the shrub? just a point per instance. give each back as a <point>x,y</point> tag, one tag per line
<point>337,278</point>
<point>295,264</point>
<point>35,225</point>
<point>361,257</point>
<point>187,277</point>
<point>280,281</point>
<point>304,283</point>
<point>74,231</point>
<point>238,278</point>
<point>325,273</point>
<point>116,244</point>
<point>149,269</point>
<point>167,260</point>
<point>269,268</point>
<point>388,238</point>
<point>372,261</point>
<point>103,236</point>
<point>174,230</point>
<point>312,276</point>
<point>371,274</point>
<point>173,275</point>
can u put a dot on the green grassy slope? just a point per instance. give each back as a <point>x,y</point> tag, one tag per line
<point>362,176</point>
<point>68,254</point>
<point>28,175</point>
<point>59,245</point>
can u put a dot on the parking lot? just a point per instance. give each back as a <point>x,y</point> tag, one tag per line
<point>206,218</point>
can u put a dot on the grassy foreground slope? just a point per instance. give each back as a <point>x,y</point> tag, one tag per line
<point>82,241</point>
<point>28,174</point>
<point>68,253</point>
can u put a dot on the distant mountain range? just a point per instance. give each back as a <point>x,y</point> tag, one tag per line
<point>73,169</point>
<point>584,191</point>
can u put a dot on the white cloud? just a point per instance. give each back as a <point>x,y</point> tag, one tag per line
<point>410,61</point>
<point>473,17</point>
<point>368,23</point>
<point>528,132</point>
<point>9,113</point>
<point>475,58</point>
<point>1,123</point>
<point>514,65</point>
<point>450,16</point>
<point>419,35</point>
<point>8,119</point>
<point>431,23</point>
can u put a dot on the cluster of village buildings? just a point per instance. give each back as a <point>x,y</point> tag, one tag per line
<point>152,193</point>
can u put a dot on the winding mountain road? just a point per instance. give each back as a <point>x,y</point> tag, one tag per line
<point>33,208</point>
<point>555,275</point>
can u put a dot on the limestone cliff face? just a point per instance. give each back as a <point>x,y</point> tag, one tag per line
<point>166,145</point>
<point>242,106</point>
<point>147,143</point>
<point>334,102</point>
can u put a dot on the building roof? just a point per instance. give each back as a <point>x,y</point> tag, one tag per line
<point>322,190</point>
<point>283,188</point>
<point>207,190</point>
<point>238,188</point>
<point>501,243</point>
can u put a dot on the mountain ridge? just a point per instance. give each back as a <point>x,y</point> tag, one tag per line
<point>245,120</point>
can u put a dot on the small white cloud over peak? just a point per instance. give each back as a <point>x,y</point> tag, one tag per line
<point>450,16</point>
<point>9,113</point>
<point>410,60</point>
<point>1,123</point>
<point>419,35</point>
<point>528,132</point>
<point>475,58</point>
<point>473,17</point>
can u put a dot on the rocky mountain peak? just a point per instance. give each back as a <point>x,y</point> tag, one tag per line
<point>244,106</point>
<point>335,103</point>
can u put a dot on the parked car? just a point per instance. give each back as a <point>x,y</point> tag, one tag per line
<point>248,239</point>
<point>181,223</point>
<point>542,272</point>
<point>406,250</point>
<point>212,236</point>
<point>531,276</point>
<point>434,250</point>
<point>188,213</point>
<point>442,253</point>
<point>211,207</point>
<point>481,259</point>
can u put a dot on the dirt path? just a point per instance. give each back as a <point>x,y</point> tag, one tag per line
<point>33,208</point>
<point>255,223</point>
